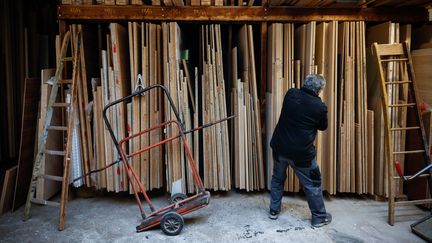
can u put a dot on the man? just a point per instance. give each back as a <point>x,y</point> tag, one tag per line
<point>303,113</point>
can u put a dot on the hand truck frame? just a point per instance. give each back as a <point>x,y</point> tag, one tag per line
<point>169,217</point>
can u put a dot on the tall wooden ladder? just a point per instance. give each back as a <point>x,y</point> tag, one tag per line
<point>58,82</point>
<point>399,55</point>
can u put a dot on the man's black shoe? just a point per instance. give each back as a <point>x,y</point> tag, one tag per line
<point>321,222</point>
<point>273,215</point>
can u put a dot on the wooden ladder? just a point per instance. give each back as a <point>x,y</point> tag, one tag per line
<point>399,55</point>
<point>57,82</point>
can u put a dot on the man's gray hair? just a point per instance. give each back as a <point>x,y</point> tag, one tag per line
<point>314,82</point>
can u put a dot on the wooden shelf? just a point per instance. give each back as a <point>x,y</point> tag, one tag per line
<point>98,13</point>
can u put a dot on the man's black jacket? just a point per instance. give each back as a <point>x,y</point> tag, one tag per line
<point>302,114</point>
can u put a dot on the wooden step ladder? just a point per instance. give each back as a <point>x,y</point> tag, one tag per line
<point>58,82</point>
<point>399,55</point>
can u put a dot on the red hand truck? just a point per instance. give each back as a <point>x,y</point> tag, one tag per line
<point>170,217</point>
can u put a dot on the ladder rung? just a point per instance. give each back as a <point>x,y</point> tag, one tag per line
<point>419,176</point>
<point>45,202</point>
<point>61,105</point>
<point>51,177</point>
<point>58,128</point>
<point>402,105</point>
<point>413,202</point>
<point>67,59</point>
<point>65,81</point>
<point>394,60</point>
<point>409,152</point>
<point>399,82</point>
<point>54,152</point>
<point>403,128</point>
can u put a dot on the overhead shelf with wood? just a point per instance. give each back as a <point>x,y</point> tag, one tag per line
<point>98,13</point>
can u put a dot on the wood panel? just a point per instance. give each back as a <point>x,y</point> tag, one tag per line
<point>7,192</point>
<point>27,140</point>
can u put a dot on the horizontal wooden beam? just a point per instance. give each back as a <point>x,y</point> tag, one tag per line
<point>238,14</point>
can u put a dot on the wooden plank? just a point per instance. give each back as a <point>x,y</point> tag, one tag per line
<point>7,192</point>
<point>256,110</point>
<point>120,63</point>
<point>421,61</point>
<point>86,57</point>
<point>107,138</point>
<point>370,153</point>
<point>27,140</point>
<point>145,109</point>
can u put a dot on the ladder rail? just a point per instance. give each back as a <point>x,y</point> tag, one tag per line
<point>73,106</point>
<point>387,141</point>
<point>43,138</point>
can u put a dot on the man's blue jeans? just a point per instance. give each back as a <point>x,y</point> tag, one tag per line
<point>310,178</point>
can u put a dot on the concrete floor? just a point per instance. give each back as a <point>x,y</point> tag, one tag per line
<point>230,217</point>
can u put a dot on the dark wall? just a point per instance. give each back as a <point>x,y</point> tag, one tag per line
<point>27,37</point>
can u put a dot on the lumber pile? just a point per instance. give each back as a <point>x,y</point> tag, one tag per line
<point>326,44</point>
<point>283,74</point>
<point>349,4</point>
<point>336,51</point>
<point>131,51</point>
<point>352,108</point>
<point>179,3</point>
<point>176,82</point>
<point>246,130</point>
<point>216,150</point>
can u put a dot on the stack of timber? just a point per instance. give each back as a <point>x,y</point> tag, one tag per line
<point>246,132</point>
<point>84,118</point>
<point>291,58</point>
<point>179,3</point>
<point>177,79</point>
<point>283,74</point>
<point>113,85</point>
<point>326,44</point>
<point>344,150</point>
<point>131,52</point>
<point>216,150</point>
<point>350,4</point>
<point>387,33</point>
<point>352,109</point>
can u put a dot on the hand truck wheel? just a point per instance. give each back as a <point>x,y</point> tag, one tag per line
<point>177,197</point>
<point>172,223</point>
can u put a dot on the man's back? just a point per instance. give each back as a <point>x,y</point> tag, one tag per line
<point>302,114</point>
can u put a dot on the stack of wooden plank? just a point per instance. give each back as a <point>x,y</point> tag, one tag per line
<point>350,4</point>
<point>342,150</point>
<point>113,85</point>
<point>247,142</point>
<point>326,44</point>
<point>216,150</point>
<point>162,2</point>
<point>352,108</point>
<point>176,82</point>
<point>387,33</point>
<point>284,73</point>
<point>144,50</point>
